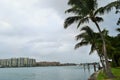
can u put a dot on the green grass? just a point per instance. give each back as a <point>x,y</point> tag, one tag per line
<point>115,71</point>
<point>101,76</point>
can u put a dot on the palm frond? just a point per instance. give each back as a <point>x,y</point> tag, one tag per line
<point>73,10</point>
<point>107,8</point>
<point>118,23</point>
<point>71,20</point>
<point>105,32</point>
<point>99,19</point>
<point>110,6</point>
<point>117,11</point>
<point>82,21</point>
<point>99,11</point>
<point>92,4</point>
<point>87,34</point>
<point>93,48</point>
<point>82,6</point>
<point>82,35</point>
<point>88,30</point>
<point>80,44</point>
<point>118,29</point>
<point>73,2</point>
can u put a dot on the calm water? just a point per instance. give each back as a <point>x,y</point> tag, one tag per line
<point>45,73</point>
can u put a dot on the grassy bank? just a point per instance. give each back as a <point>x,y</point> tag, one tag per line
<point>116,72</point>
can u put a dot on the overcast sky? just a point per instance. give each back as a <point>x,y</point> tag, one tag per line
<point>34,28</point>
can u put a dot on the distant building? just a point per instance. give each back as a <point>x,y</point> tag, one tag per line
<point>14,62</point>
<point>17,62</point>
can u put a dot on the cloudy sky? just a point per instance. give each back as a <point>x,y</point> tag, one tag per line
<point>34,28</point>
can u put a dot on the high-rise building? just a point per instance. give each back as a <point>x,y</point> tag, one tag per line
<point>17,62</point>
<point>14,62</point>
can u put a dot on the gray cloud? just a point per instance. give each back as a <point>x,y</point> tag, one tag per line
<point>34,28</point>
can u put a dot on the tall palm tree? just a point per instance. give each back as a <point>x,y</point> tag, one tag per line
<point>92,38</point>
<point>86,10</point>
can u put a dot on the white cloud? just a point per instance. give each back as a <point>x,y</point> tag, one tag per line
<point>5,26</point>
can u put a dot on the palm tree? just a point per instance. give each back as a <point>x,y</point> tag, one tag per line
<point>92,38</point>
<point>86,10</point>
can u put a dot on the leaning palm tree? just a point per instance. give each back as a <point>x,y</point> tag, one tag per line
<point>92,38</point>
<point>86,10</point>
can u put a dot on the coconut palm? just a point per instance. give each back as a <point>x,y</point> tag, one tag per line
<point>86,10</point>
<point>92,38</point>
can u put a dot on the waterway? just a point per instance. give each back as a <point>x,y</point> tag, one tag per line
<point>46,73</point>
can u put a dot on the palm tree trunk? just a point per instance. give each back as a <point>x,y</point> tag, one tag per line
<point>102,62</point>
<point>107,65</point>
<point>100,56</point>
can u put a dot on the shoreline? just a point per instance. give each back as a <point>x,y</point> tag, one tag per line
<point>94,75</point>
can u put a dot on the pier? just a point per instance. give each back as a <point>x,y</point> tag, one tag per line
<point>95,65</point>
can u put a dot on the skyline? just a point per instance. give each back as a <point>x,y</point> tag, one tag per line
<point>34,28</point>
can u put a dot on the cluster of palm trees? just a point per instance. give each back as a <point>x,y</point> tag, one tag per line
<point>86,11</point>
